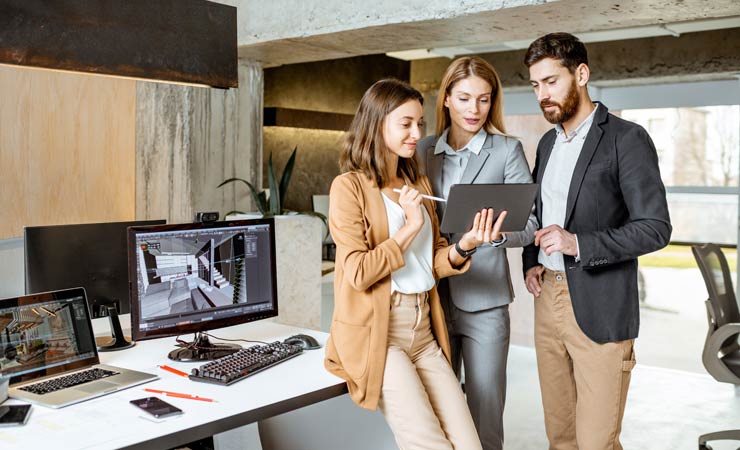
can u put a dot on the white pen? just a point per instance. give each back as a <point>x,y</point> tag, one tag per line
<point>430,197</point>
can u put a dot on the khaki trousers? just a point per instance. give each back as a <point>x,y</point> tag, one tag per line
<point>584,384</point>
<point>421,398</point>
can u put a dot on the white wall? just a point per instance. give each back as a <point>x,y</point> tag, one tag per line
<point>12,272</point>
<point>669,95</point>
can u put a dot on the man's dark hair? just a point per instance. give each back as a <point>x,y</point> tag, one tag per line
<point>564,47</point>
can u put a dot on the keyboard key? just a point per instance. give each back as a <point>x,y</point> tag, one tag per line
<point>67,381</point>
<point>245,362</point>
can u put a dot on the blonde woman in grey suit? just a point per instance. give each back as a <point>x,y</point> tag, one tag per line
<point>471,147</point>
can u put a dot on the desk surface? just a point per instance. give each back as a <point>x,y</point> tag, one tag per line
<point>110,422</point>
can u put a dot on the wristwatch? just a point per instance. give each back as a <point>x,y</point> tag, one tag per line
<point>464,253</point>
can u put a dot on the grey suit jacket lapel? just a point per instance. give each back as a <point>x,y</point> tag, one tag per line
<point>584,159</point>
<point>476,162</point>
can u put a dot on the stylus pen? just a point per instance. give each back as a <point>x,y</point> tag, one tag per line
<point>430,197</point>
<point>173,370</point>
<point>179,395</point>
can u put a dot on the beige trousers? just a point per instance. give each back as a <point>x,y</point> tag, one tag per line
<point>421,398</point>
<point>584,384</point>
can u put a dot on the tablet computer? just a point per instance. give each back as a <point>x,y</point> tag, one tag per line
<point>465,200</point>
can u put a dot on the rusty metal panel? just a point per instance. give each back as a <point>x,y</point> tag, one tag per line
<point>191,41</point>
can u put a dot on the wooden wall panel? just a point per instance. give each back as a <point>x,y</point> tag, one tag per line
<point>67,149</point>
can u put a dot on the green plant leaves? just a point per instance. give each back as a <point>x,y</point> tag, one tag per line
<point>275,197</point>
<point>260,198</point>
<point>285,178</point>
<point>274,205</point>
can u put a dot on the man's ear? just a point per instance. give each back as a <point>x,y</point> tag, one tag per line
<point>582,74</point>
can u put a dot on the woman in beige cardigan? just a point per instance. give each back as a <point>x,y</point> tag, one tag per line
<point>388,335</point>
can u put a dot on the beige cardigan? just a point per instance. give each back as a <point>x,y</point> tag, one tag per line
<point>365,257</point>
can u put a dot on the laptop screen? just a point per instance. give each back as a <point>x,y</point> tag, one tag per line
<point>44,334</point>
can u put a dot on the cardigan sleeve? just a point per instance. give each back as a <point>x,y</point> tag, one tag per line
<point>363,266</point>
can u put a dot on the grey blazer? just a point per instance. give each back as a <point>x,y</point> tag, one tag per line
<point>487,284</point>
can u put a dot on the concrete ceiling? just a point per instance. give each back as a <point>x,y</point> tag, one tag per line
<point>287,32</point>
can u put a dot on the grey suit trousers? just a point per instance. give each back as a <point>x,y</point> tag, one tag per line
<point>483,337</point>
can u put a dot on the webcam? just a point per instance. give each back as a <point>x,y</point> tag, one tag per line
<point>206,218</point>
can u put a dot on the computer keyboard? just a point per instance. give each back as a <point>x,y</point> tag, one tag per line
<point>243,363</point>
<point>77,378</point>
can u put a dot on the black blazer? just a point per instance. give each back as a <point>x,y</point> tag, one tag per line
<point>617,207</point>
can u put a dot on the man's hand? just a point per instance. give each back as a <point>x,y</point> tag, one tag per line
<point>532,280</point>
<point>554,238</point>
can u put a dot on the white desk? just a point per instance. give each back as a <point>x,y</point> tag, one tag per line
<point>110,422</point>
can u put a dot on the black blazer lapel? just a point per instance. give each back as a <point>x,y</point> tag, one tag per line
<point>584,159</point>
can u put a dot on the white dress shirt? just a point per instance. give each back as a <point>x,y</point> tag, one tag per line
<point>417,275</point>
<point>556,183</point>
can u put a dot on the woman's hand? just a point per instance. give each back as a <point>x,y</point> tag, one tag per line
<point>410,201</point>
<point>484,230</point>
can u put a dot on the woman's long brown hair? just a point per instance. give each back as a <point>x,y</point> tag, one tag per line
<point>364,148</point>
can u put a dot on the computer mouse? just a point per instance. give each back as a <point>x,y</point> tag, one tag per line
<point>304,341</point>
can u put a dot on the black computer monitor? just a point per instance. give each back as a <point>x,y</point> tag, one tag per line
<point>93,256</point>
<point>193,277</point>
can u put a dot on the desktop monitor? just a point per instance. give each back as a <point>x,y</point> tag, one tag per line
<point>194,277</point>
<point>93,256</point>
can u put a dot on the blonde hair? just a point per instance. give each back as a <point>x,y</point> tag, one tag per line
<point>364,148</point>
<point>460,69</point>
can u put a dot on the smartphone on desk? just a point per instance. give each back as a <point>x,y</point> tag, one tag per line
<point>14,415</point>
<point>156,407</point>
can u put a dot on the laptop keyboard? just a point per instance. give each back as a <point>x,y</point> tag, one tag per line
<point>75,379</point>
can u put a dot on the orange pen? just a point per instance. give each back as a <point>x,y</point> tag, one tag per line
<point>179,395</point>
<point>173,370</point>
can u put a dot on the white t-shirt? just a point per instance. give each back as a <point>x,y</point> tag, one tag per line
<point>417,275</point>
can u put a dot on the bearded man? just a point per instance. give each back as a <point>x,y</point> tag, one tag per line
<point>601,205</point>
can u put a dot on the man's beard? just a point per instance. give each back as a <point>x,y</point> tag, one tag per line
<point>564,111</point>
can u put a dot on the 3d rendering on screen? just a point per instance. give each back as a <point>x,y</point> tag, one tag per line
<point>192,271</point>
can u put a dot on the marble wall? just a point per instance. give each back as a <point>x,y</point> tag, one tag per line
<point>298,260</point>
<point>316,164</point>
<point>328,86</point>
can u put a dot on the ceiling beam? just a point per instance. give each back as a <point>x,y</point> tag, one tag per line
<point>187,41</point>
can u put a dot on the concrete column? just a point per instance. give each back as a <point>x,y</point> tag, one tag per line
<point>249,137</point>
<point>190,139</point>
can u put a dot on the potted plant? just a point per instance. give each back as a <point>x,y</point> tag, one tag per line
<point>298,247</point>
<point>273,204</point>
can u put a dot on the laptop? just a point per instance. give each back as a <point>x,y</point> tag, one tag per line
<point>464,200</point>
<point>48,350</point>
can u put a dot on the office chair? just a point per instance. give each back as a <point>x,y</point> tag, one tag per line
<point>721,355</point>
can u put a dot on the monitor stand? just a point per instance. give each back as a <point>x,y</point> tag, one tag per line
<point>118,342</point>
<point>201,349</point>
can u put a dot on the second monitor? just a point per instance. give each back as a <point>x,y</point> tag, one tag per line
<point>189,278</point>
<point>90,255</point>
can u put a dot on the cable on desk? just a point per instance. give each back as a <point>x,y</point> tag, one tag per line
<point>193,346</point>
